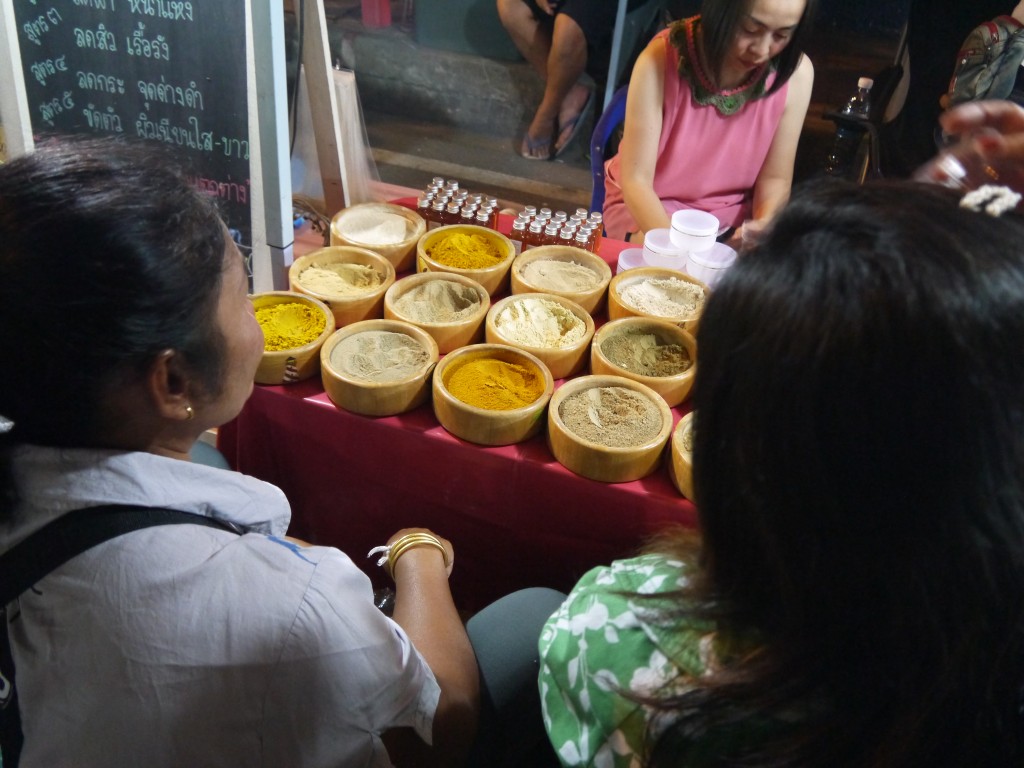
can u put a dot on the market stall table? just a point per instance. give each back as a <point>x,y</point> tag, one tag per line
<point>515,516</point>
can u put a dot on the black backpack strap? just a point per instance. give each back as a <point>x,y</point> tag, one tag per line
<point>46,550</point>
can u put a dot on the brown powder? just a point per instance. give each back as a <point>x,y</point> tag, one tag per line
<point>613,416</point>
<point>645,353</point>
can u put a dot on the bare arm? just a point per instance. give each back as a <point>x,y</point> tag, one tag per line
<point>638,152</point>
<point>999,126</point>
<point>425,610</point>
<point>774,181</point>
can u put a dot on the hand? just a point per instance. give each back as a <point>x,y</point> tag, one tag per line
<point>548,6</point>
<point>447,545</point>
<point>998,125</point>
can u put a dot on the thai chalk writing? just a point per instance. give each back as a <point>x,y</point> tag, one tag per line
<point>39,26</point>
<point>138,45</point>
<point>176,10</point>
<point>44,69</point>
<point>101,39</point>
<point>55,106</point>
<point>99,5</point>
<point>192,136</point>
<point>225,190</point>
<point>165,93</point>
<point>94,81</point>
<point>234,147</point>
<point>102,121</point>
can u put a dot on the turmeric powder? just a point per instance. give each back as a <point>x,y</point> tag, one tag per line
<point>495,385</point>
<point>467,251</point>
<point>289,325</point>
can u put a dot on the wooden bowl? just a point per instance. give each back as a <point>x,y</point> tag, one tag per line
<point>390,230</point>
<point>674,387</point>
<point>481,425</point>
<point>494,278</point>
<point>529,262</point>
<point>377,395</point>
<point>601,461</point>
<point>288,365</point>
<point>618,308</point>
<point>562,361</point>
<point>449,335</point>
<point>681,467</point>
<point>347,307</point>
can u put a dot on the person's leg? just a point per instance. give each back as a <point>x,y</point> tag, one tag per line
<point>564,96</point>
<point>530,36</point>
<point>504,637</point>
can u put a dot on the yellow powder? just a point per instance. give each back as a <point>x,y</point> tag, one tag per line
<point>466,251</point>
<point>495,385</point>
<point>289,325</point>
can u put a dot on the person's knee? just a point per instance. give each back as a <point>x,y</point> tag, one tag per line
<point>512,12</point>
<point>568,44</point>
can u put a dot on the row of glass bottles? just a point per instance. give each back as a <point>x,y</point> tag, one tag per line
<point>444,202</point>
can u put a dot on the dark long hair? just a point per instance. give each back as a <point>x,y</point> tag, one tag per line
<point>719,21</point>
<point>859,472</point>
<point>107,257</point>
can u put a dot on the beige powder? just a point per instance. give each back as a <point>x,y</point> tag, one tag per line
<point>438,301</point>
<point>566,276</point>
<point>540,323</point>
<point>338,279</point>
<point>613,416</point>
<point>664,297</point>
<point>379,356</point>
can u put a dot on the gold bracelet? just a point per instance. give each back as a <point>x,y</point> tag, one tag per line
<point>409,541</point>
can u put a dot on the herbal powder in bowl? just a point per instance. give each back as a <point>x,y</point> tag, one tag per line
<point>351,281</point>
<point>667,294</point>
<point>563,270</point>
<point>608,428</point>
<point>450,307</point>
<point>558,331</point>
<point>654,352</point>
<point>388,229</point>
<point>681,466</point>
<point>475,252</point>
<point>294,326</point>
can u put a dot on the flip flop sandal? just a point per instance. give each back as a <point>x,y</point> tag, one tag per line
<point>574,126</point>
<point>536,149</point>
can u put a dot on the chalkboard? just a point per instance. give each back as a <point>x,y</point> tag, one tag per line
<point>166,71</point>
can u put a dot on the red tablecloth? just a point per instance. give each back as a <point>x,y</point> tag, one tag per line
<point>515,516</point>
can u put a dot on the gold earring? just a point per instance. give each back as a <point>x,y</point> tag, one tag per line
<point>189,413</point>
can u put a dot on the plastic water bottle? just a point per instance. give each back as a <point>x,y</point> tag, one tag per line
<point>848,133</point>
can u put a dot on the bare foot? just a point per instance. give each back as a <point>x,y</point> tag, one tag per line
<point>537,141</point>
<point>570,114</point>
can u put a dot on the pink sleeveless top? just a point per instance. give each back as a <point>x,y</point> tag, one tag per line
<point>705,160</point>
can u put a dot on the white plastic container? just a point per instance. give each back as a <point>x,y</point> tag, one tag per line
<point>629,258</point>
<point>709,266</point>
<point>660,251</point>
<point>693,231</point>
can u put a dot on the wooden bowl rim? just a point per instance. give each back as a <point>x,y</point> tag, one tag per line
<point>677,435</point>
<point>473,351</point>
<point>317,257</point>
<point>282,297</point>
<point>506,263</point>
<point>413,216</point>
<point>564,253</point>
<point>670,328</point>
<point>569,304</point>
<point>379,324</point>
<point>411,281</point>
<point>583,383</point>
<point>638,274</point>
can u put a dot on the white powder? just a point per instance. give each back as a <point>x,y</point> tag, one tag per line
<point>376,227</point>
<point>664,297</point>
<point>339,279</point>
<point>553,275</point>
<point>540,323</point>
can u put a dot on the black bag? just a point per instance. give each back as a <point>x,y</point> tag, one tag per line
<point>989,63</point>
<point>44,551</point>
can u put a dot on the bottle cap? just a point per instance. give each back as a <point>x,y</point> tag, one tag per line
<point>865,83</point>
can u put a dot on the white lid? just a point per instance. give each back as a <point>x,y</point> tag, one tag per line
<point>660,241</point>
<point>865,82</point>
<point>630,258</point>
<point>694,222</point>
<point>718,256</point>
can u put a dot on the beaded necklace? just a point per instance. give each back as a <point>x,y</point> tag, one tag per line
<point>693,67</point>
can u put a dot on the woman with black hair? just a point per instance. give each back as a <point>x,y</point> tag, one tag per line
<point>126,331</point>
<point>714,112</point>
<point>855,597</point>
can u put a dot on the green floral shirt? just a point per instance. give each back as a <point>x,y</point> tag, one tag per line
<point>604,641</point>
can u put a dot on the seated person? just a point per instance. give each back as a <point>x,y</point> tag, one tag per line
<point>128,331</point>
<point>561,39</point>
<point>715,108</point>
<point>855,597</point>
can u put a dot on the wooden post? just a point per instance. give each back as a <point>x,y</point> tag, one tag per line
<point>323,106</point>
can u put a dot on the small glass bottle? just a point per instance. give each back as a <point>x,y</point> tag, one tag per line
<point>597,220</point>
<point>530,210</point>
<point>583,239</point>
<point>582,213</point>
<point>518,235</point>
<point>534,235</point>
<point>468,214</point>
<point>566,235</point>
<point>451,214</point>
<point>435,219</point>
<point>544,213</point>
<point>551,233</point>
<point>423,203</point>
<point>483,218</point>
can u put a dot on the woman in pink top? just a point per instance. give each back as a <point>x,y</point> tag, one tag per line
<point>715,107</point>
